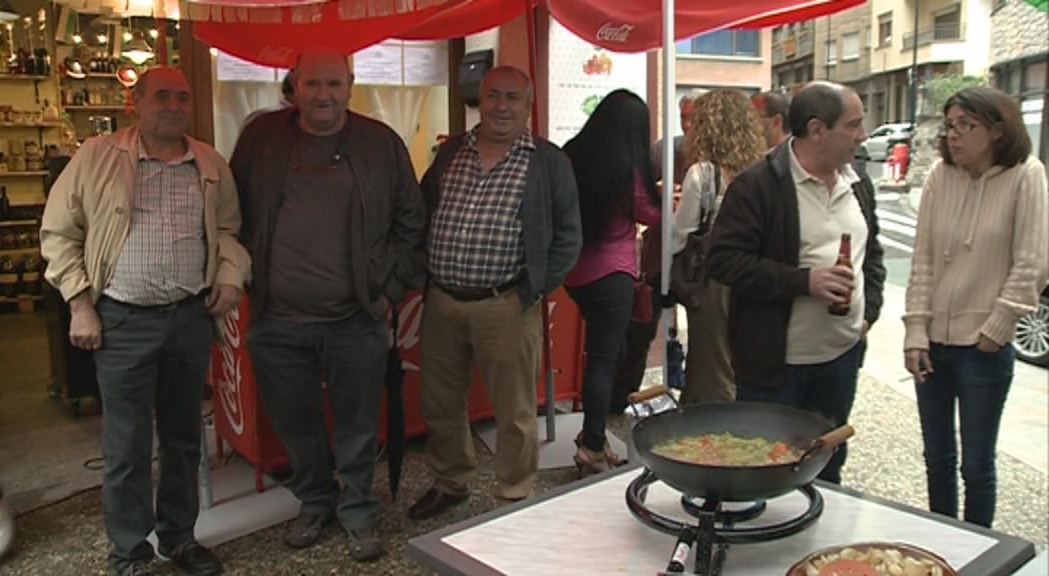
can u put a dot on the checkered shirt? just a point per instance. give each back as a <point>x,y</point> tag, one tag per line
<point>165,253</point>
<point>475,235</point>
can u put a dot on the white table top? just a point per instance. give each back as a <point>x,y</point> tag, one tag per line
<point>587,529</point>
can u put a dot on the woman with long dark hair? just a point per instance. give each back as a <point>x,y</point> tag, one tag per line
<point>979,265</point>
<point>610,157</point>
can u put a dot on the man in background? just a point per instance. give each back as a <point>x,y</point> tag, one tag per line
<point>140,237</point>
<point>774,110</point>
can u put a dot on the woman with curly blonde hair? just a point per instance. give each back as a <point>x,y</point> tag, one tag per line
<point>726,137</point>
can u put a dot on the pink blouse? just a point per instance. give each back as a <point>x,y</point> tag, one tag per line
<point>617,251</point>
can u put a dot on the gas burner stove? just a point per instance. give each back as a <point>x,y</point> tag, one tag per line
<point>715,526</point>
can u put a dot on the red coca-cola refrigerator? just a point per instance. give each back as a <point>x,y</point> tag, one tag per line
<point>241,422</point>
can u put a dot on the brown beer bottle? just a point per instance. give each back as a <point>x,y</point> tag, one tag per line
<point>844,259</point>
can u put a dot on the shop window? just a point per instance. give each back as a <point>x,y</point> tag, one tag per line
<point>723,43</point>
<point>850,46</point>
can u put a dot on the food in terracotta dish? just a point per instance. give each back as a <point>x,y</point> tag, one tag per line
<point>872,559</point>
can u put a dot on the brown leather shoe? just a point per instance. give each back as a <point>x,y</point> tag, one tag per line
<point>434,503</point>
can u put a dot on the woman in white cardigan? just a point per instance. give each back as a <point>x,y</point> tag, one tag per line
<point>980,262</point>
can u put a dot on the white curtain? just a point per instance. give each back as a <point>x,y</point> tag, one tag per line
<point>398,106</point>
<point>234,100</point>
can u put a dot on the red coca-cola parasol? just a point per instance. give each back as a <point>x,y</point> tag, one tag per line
<point>271,32</point>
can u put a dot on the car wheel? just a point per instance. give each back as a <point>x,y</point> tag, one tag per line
<point>1032,335</point>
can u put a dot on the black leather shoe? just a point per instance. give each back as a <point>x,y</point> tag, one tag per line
<point>434,503</point>
<point>194,559</point>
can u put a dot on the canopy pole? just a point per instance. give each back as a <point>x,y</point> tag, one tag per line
<point>669,106</point>
<point>548,365</point>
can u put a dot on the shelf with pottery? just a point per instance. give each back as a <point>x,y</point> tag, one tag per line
<point>23,77</point>
<point>23,174</point>
<point>97,108</point>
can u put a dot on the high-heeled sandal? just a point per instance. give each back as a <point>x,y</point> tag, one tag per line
<point>614,460</point>
<point>588,461</point>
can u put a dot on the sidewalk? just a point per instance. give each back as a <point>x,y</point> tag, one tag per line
<point>1024,432</point>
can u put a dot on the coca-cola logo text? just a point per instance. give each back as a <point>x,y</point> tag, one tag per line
<point>230,380</point>
<point>609,32</point>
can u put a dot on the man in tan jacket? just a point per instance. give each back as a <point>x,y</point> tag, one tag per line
<point>140,237</point>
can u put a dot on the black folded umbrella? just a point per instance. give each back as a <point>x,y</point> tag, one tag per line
<point>675,358</point>
<point>394,412</point>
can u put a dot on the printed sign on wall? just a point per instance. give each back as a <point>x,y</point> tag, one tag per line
<point>581,74</point>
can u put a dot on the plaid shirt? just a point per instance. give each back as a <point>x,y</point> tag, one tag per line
<point>475,236</point>
<point>165,253</point>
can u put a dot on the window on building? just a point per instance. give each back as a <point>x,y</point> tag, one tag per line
<point>723,43</point>
<point>832,52</point>
<point>947,24</point>
<point>885,30</point>
<point>850,46</point>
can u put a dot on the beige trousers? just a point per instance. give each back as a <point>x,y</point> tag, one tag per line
<point>505,342</point>
<point>708,363</point>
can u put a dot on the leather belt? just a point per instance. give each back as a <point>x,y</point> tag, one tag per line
<point>194,299</point>
<point>477,294</point>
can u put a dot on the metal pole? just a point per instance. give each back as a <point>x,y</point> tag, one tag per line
<point>826,48</point>
<point>669,106</point>
<point>914,66</point>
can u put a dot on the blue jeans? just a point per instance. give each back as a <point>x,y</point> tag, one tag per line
<point>827,389</point>
<point>290,361</point>
<point>605,305</point>
<point>979,384</point>
<point>151,370</point>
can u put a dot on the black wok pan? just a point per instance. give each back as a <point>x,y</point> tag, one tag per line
<point>801,429</point>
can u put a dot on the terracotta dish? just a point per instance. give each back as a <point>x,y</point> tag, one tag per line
<point>850,560</point>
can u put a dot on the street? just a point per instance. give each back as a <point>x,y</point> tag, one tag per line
<point>1025,424</point>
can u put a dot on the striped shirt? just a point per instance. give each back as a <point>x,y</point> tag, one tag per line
<point>165,253</point>
<point>475,236</point>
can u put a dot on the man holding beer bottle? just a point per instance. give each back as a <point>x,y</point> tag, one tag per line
<point>797,242</point>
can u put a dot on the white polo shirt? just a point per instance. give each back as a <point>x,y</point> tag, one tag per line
<point>814,335</point>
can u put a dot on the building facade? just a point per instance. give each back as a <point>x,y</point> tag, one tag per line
<point>873,48</point>
<point>1019,59</point>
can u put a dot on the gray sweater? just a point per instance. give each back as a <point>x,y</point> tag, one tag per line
<point>552,232</point>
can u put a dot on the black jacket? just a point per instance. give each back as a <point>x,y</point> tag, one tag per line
<point>552,231</point>
<point>387,231</point>
<point>754,250</point>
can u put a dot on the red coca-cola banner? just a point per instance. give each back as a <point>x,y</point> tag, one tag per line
<point>241,422</point>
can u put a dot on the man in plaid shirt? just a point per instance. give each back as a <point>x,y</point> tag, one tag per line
<point>504,231</point>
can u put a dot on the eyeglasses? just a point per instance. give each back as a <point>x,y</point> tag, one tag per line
<point>961,127</point>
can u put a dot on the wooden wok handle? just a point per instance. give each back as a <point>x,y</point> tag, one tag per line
<point>835,437</point>
<point>647,394</point>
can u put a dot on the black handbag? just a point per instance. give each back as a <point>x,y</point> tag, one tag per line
<point>688,275</point>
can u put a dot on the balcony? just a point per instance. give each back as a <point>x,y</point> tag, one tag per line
<point>938,33</point>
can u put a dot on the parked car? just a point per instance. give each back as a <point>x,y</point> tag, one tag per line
<point>1032,334</point>
<point>879,143</point>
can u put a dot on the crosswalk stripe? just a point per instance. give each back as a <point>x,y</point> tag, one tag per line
<point>896,217</point>
<point>890,226</point>
<point>889,242</point>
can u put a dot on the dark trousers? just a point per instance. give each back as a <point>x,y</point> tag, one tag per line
<point>152,362</point>
<point>633,360</point>
<point>605,305</point>
<point>827,389</point>
<point>291,360</point>
<point>978,384</point>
